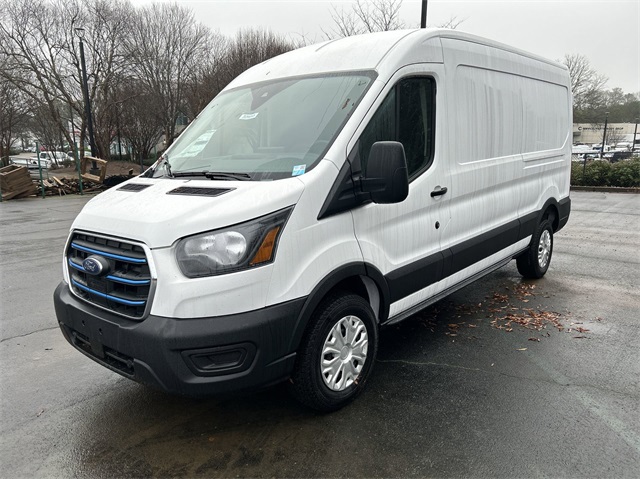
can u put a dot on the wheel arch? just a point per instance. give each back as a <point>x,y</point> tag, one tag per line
<point>359,278</point>
<point>550,210</point>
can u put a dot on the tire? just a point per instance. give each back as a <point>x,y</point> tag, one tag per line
<point>342,338</point>
<point>534,262</point>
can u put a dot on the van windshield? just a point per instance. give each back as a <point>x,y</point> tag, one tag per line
<point>266,131</point>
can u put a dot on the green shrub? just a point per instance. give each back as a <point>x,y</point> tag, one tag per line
<point>597,173</point>
<point>576,174</point>
<point>625,173</point>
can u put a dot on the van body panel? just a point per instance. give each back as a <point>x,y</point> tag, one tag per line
<point>314,248</point>
<point>398,307</point>
<point>181,356</point>
<point>384,52</point>
<point>208,296</point>
<point>396,235</point>
<point>157,217</point>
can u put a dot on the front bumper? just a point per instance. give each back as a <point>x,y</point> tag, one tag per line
<point>194,357</point>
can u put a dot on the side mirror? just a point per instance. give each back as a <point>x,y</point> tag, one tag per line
<point>386,178</point>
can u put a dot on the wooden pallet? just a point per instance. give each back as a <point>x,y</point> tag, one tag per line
<point>86,163</point>
<point>15,182</point>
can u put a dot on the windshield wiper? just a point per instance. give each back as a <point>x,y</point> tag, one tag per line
<point>214,175</point>
<point>223,175</point>
<point>179,174</point>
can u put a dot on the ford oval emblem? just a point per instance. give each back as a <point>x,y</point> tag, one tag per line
<point>95,265</point>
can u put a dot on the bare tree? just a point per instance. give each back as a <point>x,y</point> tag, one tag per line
<point>165,45</point>
<point>107,24</point>
<point>35,54</point>
<point>137,119</point>
<point>366,17</point>
<point>248,48</point>
<point>587,85</point>
<point>452,23</point>
<point>373,16</point>
<point>14,114</point>
<point>39,42</point>
<point>205,82</point>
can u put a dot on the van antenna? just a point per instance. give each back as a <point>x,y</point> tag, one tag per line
<point>423,21</point>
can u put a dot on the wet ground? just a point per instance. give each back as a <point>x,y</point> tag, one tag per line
<point>505,378</point>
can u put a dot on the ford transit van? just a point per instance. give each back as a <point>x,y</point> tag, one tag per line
<point>323,194</point>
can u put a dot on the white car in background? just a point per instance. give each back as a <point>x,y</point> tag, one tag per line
<point>31,163</point>
<point>54,158</point>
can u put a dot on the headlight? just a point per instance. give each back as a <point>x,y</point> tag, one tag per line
<point>236,248</point>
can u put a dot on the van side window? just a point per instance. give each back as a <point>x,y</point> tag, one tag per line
<point>406,115</point>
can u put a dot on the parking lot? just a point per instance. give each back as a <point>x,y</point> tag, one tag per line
<point>504,378</point>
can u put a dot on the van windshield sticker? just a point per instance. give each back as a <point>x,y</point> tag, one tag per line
<point>298,170</point>
<point>248,116</point>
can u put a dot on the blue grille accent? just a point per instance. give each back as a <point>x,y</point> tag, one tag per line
<point>135,282</point>
<point>125,289</point>
<point>108,296</point>
<point>108,255</point>
<point>117,279</point>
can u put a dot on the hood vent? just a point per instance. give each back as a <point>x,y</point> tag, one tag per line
<point>195,191</point>
<point>134,187</point>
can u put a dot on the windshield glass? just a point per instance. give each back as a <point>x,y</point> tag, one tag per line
<point>268,130</point>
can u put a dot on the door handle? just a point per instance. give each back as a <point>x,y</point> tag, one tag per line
<point>439,192</point>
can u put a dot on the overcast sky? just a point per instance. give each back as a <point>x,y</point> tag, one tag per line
<point>606,31</point>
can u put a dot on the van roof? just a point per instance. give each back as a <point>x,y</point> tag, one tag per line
<point>383,52</point>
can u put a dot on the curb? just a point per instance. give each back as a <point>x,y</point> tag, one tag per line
<point>606,189</point>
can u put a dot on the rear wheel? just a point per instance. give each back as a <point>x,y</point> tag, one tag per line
<point>337,353</point>
<point>534,262</point>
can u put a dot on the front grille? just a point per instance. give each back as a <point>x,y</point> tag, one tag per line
<point>125,286</point>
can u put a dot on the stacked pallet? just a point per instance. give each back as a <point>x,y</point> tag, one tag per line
<point>15,182</point>
<point>64,186</point>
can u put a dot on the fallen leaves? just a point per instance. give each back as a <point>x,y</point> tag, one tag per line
<point>511,309</point>
<point>514,308</point>
<point>532,319</point>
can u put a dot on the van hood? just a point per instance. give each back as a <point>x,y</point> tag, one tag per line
<point>157,212</point>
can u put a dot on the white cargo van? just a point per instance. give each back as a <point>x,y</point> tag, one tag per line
<point>323,194</point>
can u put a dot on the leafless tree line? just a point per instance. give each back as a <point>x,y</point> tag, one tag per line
<point>147,67</point>
<point>369,16</point>
<point>592,100</point>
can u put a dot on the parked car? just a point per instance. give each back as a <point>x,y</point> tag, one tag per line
<point>620,155</point>
<point>56,158</point>
<point>31,163</point>
<point>623,146</point>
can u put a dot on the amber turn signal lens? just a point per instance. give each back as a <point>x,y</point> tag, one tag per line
<point>265,252</point>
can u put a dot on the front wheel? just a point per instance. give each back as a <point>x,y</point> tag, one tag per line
<point>534,262</point>
<point>337,353</point>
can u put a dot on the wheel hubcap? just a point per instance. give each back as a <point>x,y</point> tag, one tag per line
<point>544,248</point>
<point>344,353</point>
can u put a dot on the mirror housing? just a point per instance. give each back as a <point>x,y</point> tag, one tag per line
<point>386,179</point>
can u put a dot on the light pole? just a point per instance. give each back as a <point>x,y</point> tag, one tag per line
<point>85,92</point>
<point>76,156</point>
<point>423,17</point>
<point>604,135</point>
<point>633,142</point>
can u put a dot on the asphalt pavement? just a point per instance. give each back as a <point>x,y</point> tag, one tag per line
<point>505,378</point>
